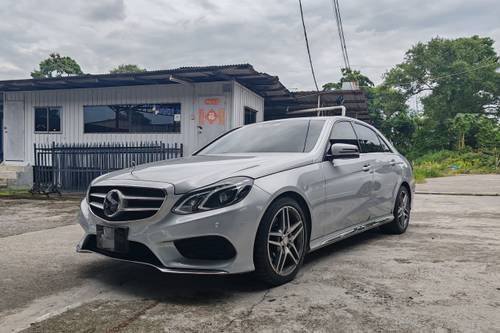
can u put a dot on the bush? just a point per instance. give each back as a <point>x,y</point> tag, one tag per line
<point>448,163</point>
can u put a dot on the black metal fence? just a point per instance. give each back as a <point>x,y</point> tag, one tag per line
<point>71,167</point>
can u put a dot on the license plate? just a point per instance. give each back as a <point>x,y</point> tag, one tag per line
<point>112,239</point>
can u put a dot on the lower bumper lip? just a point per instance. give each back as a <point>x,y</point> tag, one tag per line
<point>160,268</point>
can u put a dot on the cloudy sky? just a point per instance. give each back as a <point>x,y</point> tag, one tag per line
<point>162,34</point>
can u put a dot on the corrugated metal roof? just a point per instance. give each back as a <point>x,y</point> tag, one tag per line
<point>355,102</point>
<point>261,83</point>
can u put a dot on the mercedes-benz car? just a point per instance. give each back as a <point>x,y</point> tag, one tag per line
<point>258,198</point>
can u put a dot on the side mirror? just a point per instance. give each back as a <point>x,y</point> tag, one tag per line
<point>344,150</point>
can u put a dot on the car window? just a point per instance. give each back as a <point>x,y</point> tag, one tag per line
<point>368,139</point>
<point>343,133</point>
<point>288,136</point>
<point>385,147</point>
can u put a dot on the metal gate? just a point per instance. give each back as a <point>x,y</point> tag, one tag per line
<point>71,167</point>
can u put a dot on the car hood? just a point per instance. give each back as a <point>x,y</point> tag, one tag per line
<point>197,171</point>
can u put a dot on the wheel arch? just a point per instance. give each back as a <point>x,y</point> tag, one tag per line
<point>303,203</point>
<point>408,187</point>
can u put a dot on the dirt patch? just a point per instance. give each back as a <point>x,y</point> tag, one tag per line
<point>18,216</point>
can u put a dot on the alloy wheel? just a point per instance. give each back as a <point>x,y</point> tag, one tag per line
<point>403,209</point>
<point>286,240</point>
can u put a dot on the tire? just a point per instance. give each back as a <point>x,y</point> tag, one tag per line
<point>402,209</point>
<point>279,255</point>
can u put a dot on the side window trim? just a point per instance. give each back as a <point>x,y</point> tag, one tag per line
<point>329,144</point>
<point>384,143</point>
<point>374,132</point>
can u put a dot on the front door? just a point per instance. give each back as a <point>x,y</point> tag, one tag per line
<point>13,131</point>
<point>348,184</point>
<point>210,119</point>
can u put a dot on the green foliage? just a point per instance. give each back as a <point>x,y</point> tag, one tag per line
<point>448,163</point>
<point>127,68</point>
<point>56,66</point>
<point>349,75</point>
<point>457,76</point>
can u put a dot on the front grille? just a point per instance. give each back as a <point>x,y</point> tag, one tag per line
<point>137,252</point>
<point>136,203</point>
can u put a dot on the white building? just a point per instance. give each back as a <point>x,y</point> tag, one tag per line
<point>186,105</point>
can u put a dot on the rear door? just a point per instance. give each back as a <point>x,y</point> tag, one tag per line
<point>384,179</point>
<point>347,184</point>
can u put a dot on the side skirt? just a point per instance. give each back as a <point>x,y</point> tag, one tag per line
<point>348,232</point>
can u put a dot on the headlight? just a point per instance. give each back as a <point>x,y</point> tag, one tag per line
<point>224,193</point>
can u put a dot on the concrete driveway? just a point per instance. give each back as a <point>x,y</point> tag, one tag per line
<point>442,275</point>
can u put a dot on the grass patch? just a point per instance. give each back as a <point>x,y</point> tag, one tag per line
<point>449,163</point>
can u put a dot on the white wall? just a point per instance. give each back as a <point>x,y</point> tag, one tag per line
<point>245,97</point>
<point>73,100</point>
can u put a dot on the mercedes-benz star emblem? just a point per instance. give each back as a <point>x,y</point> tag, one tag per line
<point>112,205</point>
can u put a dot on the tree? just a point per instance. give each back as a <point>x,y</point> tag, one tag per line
<point>455,75</point>
<point>127,68</point>
<point>349,75</point>
<point>56,66</point>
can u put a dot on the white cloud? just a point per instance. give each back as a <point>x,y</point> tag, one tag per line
<point>160,34</point>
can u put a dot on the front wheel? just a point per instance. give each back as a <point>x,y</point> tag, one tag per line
<point>281,241</point>
<point>401,213</point>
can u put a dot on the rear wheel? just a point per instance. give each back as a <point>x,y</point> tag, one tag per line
<point>401,213</point>
<point>280,244</point>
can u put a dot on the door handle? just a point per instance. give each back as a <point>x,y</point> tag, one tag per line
<point>366,167</point>
<point>393,162</point>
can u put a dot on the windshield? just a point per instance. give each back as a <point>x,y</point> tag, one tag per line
<point>287,136</point>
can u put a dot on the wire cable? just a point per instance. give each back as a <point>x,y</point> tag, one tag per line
<point>307,46</point>
<point>340,30</point>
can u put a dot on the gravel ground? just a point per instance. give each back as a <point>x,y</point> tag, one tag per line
<point>442,275</point>
<point>18,216</point>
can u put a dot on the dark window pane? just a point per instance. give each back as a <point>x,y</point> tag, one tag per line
<point>40,119</point>
<point>105,119</point>
<point>368,139</point>
<point>250,116</point>
<point>315,127</point>
<point>155,118</point>
<point>343,133</point>
<point>54,119</point>
<point>133,118</point>
<point>277,136</point>
<point>385,147</point>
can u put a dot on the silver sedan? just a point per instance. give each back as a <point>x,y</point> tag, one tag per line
<point>258,198</point>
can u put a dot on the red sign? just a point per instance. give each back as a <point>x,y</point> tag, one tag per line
<point>211,101</point>
<point>211,116</point>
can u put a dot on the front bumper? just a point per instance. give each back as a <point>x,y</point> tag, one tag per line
<point>154,239</point>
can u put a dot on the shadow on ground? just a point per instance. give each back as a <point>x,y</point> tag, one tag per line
<point>146,282</point>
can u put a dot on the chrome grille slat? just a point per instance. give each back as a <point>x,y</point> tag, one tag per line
<point>142,198</point>
<point>96,205</point>
<point>137,203</point>
<point>139,209</point>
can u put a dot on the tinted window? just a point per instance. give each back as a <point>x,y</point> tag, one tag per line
<point>368,139</point>
<point>291,136</point>
<point>344,133</point>
<point>385,147</point>
<point>132,118</point>
<point>41,120</point>
<point>250,116</point>
<point>54,119</point>
<point>47,119</point>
